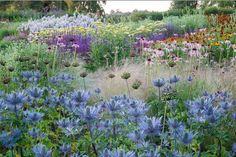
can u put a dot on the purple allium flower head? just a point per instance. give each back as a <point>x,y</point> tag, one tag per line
<point>40,150</point>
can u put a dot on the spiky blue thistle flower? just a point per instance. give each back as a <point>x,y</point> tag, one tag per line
<point>151,126</point>
<point>159,82</point>
<point>65,148</point>
<point>152,153</point>
<point>88,113</point>
<point>116,153</point>
<point>136,136</point>
<point>35,92</point>
<point>80,96</point>
<point>174,79</point>
<point>35,133</point>
<point>40,150</point>
<point>187,138</point>
<point>69,126</point>
<point>190,79</point>
<point>33,117</point>
<point>176,128</point>
<point>234,116</point>
<point>9,139</point>
<point>97,90</point>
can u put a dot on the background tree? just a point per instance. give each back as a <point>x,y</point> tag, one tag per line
<point>177,4</point>
<point>220,3</point>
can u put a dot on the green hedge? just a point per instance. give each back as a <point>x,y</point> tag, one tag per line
<point>19,15</point>
<point>217,10</point>
<point>6,32</point>
<point>142,15</point>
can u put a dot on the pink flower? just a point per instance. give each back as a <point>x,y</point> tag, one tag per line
<point>149,61</point>
<point>159,52</point>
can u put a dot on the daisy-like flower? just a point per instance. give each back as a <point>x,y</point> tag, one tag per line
<point>149,61</point>
<point>159,52</point>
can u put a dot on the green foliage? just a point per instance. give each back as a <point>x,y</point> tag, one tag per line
<point>188,23</point>
<point>4,44</point>
<point>176,4</point>
<point>217,10</point>
<point>142,15</point>
<point>6,32</point>
<point>19,15</point>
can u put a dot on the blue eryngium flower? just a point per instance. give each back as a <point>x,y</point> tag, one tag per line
<point>151,126</point>
<point>88,113</point>
<point>33,117</point>
<point>234,148</point>
<point>159,82</point>
<point>187,138</point>
<point>15,101</point>
<point>69,126</point>
<point>80,96</point>
<point>40,150</point>
<point>116,153</point>
<point>65,148</point>
<point>136,136</point>
<point>35,92</point>
<point>97,90</point>
<point>190,78</point>
<point>234,116</point>
<point>176,128</point>
<point>152,153</point>
<point>9,139</point>
<point>35,133</point>
<point>173,103</point>
<point>174,79</point>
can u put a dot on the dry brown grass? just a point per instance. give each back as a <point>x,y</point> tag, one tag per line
<point>214,78</point>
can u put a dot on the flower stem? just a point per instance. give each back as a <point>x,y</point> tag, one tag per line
<point>127,87</point>
<point>164,120</point>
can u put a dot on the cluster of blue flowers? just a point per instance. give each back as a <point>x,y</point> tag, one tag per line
<point>39,112</point>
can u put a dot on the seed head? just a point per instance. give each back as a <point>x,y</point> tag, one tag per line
<point>136,84</point>
<point>83,74</point>
<point>125,75</point>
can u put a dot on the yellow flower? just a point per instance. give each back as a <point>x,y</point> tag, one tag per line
<point>215,43</point>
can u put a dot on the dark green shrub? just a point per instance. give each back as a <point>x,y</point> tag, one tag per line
<point>226,11</point>
<point>155,16</point>
<point>6,32</point>
<point>139,15</point>
<point>217,10</point>
<point>174,12</point>
<point>4,44</point>
<point>211,10</point>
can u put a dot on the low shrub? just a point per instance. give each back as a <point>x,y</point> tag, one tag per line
<point>217,10</point>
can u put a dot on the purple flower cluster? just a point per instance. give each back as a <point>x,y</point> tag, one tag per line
<point>72,42</point>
